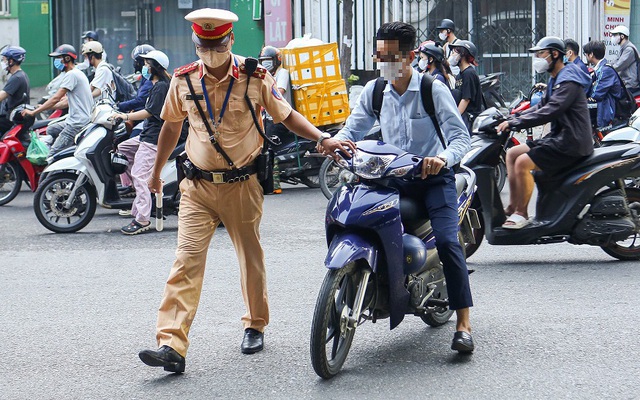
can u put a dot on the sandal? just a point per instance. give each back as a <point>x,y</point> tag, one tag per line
<point>516,221</point>
<point>135,227</point>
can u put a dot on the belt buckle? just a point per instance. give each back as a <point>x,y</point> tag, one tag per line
<point>218,177</point>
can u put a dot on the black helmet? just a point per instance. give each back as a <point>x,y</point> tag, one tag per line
<point>15,53</point>
<point>271,53</point>
<point>64,50</point>
<point>549,43</point>
<point>433,50</point>
<point>93,35</point>
<point>446,24</point>
<point>465,44</point>
<point>17,118</point>
<point>119,163</point>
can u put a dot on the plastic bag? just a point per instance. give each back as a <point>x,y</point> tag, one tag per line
<point>37,151</point>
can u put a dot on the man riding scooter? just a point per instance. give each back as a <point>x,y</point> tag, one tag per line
<point>16,90</point>
<point>565,106</point>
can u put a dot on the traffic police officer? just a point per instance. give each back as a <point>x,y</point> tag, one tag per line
<point>212,198</point>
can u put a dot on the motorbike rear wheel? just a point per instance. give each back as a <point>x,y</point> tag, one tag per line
<point>629,249</point>
<point>10,182</point>
<point>48,203</point>
<point>330,336</point>
<point>329,177</point>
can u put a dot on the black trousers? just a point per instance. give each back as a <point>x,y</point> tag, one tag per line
<point>440,198</point>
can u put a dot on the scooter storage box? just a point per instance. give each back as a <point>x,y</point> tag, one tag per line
<point>610,205</point>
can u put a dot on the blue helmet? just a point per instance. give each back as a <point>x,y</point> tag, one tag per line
<point>90,35</point>
<point>15,53</point>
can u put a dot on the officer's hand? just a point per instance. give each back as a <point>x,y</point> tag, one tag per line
<point>330,146</point>
<point>504,126</point>
<point>431,166</point>
<point>155,184</point>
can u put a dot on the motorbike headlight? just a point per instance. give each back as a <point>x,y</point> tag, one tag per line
<point>470,154</point>
<point>370,166</point>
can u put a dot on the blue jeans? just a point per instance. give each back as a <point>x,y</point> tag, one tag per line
<point>440,198</point>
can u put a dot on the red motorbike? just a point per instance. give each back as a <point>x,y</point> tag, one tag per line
<point>14,165</point>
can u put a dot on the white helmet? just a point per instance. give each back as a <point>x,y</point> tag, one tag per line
<point>159,56</point>
<point>92,47</point>
<point>621,29</point>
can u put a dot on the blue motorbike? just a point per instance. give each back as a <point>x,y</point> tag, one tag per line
<point>382,258</point>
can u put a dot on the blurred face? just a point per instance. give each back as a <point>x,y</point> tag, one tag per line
<point>393,63</point>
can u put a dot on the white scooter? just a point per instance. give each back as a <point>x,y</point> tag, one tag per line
<point>70,188</point>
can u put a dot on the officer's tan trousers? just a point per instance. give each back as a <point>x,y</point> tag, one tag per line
<point>202,206</point>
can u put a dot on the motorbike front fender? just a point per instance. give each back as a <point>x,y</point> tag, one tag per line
<point>348,247</point>
<point>69,164</point>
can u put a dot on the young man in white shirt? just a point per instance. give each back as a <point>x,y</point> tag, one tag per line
<point>102,83</point>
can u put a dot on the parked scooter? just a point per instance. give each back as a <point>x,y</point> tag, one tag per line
<point>587,204</point>
<point>490,85</point>
<point>382,260</point>
<point>14,165</point>
<point>299,162</point>
<point>71,188</point>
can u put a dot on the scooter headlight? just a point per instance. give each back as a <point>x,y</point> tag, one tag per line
<point>370,166</point>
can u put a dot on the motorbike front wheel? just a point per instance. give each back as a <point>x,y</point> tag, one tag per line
<point>10,181</point>
<point>331,336</point>
<point>629,249</point>
<point>49,203</point>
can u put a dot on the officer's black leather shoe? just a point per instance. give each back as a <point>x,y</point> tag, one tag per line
<point>462,342</point>
<point>165,357</point>
<point>252,342</point>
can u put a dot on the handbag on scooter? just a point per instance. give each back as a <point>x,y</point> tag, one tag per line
<point>37,151</point>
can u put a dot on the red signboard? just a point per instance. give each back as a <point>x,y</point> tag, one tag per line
<point>277,22</point>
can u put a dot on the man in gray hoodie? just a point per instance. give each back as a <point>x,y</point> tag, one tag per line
<point>627,62</point>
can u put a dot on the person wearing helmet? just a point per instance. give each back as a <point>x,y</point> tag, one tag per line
<point>432,61</point>
<point>155,71</point>
<point>446,32</point>
<point>271,58</point>
<point>627,62</point>
<point>102,84</point>
<point>74,93</point>
<point>606,87</point>
<point>463,54</point>
<point>568,142</point>
<point>573,54</point>
<point>17,90</point>
<point>126,189</point>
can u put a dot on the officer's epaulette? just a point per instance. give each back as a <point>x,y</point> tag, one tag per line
<point>186,69</point>
<point>260,71</point>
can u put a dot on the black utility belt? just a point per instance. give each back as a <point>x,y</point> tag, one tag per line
<point>219,176</point>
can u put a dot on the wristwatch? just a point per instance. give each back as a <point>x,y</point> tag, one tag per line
<point>323,136</point>
<point>443,158</point>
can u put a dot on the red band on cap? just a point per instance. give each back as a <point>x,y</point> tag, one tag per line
<point>212,34</point>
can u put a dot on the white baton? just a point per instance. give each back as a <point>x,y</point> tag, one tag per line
<point>159,213</point>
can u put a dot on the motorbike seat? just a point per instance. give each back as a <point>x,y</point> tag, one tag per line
<point>601,154</point>
<point>177,151</point>
<point>41,123</point>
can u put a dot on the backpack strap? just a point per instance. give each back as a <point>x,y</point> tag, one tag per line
<point>426,92</point>
<point>376,104</point>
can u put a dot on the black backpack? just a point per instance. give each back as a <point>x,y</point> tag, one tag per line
<point>124,90</point>
<point>426,83</point>
<point>625,105</point>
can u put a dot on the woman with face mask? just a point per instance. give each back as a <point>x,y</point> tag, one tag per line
<point>432,61</point>
<point>463,55</point>
<point>154,70</point>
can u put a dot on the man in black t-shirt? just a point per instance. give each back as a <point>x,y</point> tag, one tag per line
<point>16,91</point>
<point>467,82</point>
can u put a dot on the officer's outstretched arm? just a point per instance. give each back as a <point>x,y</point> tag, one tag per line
<point>169,135</point>
<point>299,125</point>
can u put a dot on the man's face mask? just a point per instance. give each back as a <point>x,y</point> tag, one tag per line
<point>268,64</point>
<point>616,39</point>
<point>443,35</point>
<point>540,64</point>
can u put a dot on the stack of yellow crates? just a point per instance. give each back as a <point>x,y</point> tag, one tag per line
<point>319,92</point>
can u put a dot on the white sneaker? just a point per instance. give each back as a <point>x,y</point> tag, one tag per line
<point>124,213</point>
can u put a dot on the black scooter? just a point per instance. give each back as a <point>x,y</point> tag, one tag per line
<point>587,204</point>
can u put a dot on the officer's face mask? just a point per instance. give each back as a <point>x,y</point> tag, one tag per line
<point>540,65</point>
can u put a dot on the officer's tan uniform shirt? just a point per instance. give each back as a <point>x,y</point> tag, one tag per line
<point>238,135</point>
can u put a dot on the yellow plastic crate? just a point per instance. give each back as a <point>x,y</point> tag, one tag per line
<point>323,103</point>
<point>312,64</point>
